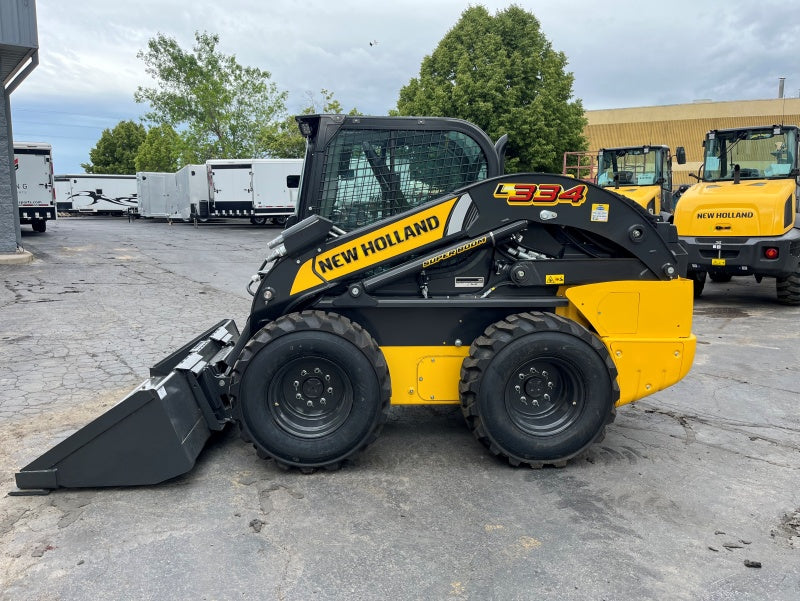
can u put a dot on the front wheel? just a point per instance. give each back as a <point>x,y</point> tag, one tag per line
<point>788,289</point>
<point>312,390</point>
<point>538,389</point>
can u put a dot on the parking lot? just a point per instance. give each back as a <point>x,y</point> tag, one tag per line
<point>688,487</point>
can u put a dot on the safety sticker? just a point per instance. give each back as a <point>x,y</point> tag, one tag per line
<point>600,212</point>
<point>554,278</point>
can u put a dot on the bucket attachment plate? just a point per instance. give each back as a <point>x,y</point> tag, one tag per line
<point>153,434</point>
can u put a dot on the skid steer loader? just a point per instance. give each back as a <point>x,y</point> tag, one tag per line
<point>415,272</point>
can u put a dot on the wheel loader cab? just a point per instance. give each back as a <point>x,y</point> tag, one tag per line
<point>642,173</point>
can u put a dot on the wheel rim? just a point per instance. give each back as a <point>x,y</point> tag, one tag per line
<point>310,397</point>
<point>544,396</point>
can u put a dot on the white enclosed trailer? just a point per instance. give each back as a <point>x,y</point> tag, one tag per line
<point>192,192</point>
<point>33,163</point>
<point>156,194</point>
<point>261,189</point>
<point>96,193</point>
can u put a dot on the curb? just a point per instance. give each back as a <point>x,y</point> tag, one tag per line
<point>17,258</point>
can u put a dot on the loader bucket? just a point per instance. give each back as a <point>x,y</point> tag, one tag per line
<point>153,434</point>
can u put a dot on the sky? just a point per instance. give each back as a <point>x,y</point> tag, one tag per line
<point>621,54</point>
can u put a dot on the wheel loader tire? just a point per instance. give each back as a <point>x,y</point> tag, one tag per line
<point>538,389</point>
<point>312,390</point>
<point>699,280</point>
<point>720,278</point>
<point>788,289</point>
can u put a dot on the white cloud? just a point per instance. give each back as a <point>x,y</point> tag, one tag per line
<point>621,54</point>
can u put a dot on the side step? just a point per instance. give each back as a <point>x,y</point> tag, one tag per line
<point>153,434</point>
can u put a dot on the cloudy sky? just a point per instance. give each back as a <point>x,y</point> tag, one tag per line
<point>622,54</point>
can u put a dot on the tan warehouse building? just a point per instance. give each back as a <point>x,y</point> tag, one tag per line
<point>684,125</point>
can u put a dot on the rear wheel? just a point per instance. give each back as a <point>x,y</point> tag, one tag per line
<point>39,225</point>
<point>699,280</point>
<point>538,389</point>
<point>258,220</point>
<point>280,220</point>
<point>788,289</point>
<point>313,389</point>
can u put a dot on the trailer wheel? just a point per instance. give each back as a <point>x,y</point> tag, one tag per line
<point>788,289</point>
<point>538,389</point>
<point>39,225</point>
<point>312,390</point>
<point>258,220</point>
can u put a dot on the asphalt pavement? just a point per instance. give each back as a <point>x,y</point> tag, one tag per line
<point>692,495</point>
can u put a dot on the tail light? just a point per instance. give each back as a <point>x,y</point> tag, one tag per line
<point>771,253</point>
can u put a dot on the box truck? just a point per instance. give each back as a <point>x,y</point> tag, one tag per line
<point>33,164</point>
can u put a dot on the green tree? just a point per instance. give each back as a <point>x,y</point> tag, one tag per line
<point>116,149</point>
<point>501,73</point>
<point>161,150</point>
<point>286,141</point>
<point>221,108</point>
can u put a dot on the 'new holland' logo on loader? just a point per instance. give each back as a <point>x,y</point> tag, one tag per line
<point>727,215</point>
<point>403,236</point>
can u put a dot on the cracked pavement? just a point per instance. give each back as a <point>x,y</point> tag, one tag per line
<point>687,485</point>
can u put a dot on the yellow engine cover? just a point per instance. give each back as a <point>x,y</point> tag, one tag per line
<point>749,208</point>
<point>646,327</point>
<point>644,196</point>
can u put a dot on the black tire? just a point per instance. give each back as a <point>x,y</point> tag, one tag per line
<point>312,389</point>
<point>719,278</point>
<point>258,220</point>
<point>538,389</point>
<point>39,225</point>
<point>699,280</point>
<point>280,220</point>
<point>788,289</point>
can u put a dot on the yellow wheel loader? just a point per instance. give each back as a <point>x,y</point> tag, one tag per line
<point>741,219</point>
<point>415,272</point>
<point>642,173</point>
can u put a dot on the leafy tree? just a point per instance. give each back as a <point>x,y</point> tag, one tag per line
<point>221,108</point>
<point>501,73</point>
<point>161,150</point>
<point>287,141</point>
<point>116,149</point>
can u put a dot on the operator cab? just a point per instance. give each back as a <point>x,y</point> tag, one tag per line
<point>751,153</point>
<point>374,169</point>
<point>629,169</point>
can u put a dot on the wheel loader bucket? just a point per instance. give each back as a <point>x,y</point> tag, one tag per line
<point>153,434</point>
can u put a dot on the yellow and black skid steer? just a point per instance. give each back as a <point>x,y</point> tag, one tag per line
<point>415,272</point>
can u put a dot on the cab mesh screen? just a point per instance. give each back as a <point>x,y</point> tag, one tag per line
<point>373,174</point>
